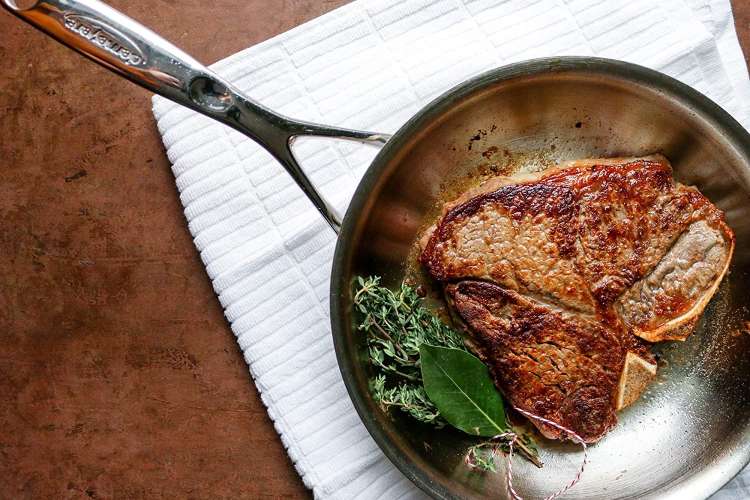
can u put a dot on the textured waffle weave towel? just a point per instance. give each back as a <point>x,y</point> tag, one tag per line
<point>371,65</point>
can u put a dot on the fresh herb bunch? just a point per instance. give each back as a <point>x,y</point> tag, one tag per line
<point>397,324</point>
<point>400,332</point>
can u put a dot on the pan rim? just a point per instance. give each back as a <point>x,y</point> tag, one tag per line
<point>346,359</point>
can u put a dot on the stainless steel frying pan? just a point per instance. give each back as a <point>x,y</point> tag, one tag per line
<point>690,433</point>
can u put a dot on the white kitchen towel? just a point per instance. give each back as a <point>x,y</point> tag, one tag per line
<point>371,65</point>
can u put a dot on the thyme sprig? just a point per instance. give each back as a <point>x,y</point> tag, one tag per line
<point>482,455</point>
<point>409,398</point>
<point>396,324</point>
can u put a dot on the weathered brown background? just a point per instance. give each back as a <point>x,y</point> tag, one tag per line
<point>119,376</point>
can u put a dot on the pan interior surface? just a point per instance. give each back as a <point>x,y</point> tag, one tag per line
<point>690,432</point>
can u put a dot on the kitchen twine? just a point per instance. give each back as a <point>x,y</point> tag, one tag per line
<point>514,437</point>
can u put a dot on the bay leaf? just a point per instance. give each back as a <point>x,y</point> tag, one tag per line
<point>459,384</point>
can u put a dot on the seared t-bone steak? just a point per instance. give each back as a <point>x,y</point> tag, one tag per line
<point>557,364</point>
<point>555,272</point>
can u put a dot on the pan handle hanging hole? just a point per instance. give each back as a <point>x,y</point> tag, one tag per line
<point>210,94</point>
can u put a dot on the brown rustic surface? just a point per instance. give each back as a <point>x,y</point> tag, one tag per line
<point>119,376</point>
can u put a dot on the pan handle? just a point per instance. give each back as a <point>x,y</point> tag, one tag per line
<point>131,50</point>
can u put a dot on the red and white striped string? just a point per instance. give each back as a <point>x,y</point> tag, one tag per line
<point>514,437</point>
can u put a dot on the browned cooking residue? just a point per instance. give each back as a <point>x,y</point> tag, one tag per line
<point>490,152</point>
<point>479,135</point>
<point>492,169</point>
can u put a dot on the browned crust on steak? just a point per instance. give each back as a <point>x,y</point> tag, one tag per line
<point>595,249</point>
<point>556,365</point>
<point>579,236</point>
